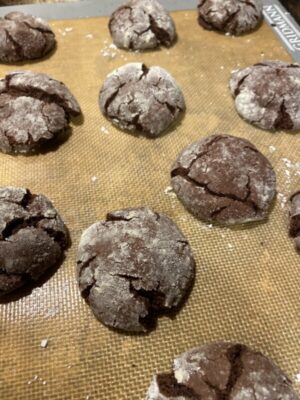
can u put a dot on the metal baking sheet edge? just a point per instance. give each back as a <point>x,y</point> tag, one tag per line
<point>280,20</point>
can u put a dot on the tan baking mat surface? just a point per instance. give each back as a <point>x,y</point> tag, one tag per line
<point>248,280</point>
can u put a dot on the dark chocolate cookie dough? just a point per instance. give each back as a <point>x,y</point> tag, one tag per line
<point>141,25</point>
<point>295,218</point>
<point>32,237</point>
<point>230,16</point>
<point>24,37</point>
<point>34,109</point>
<point>268,94</point>
<point>141,99</point>
<point>227,371</point>
<point>224,179</point>
<point>133,266</point>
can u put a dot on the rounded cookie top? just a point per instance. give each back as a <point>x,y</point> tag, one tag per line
<point>141,99</point>
<point>34,109</point>
<point>230,16</point>
<point>132,266</point>
<point>222,371</point>
<point>24,37</point>
<point>141,25</point>
<point>224,179</point>
<point>32,237</point>
<point>268,94</point>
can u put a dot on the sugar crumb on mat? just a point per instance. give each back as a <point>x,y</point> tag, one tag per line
<point>33,379</point>
<point>52,312</point>
<point>283,199</point>
<point>110,50</point>
<point>104,130</point>
<point>169,191</point>
<point>44,343</point>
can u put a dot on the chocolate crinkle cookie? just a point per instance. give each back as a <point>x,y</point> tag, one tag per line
<point>32,237</point>
<point>295,218</point>
<point>141,25</point>
<point>141,99</point>
<point>24,37</point>
<point>134,266</point>
<point>227,371</point>
<point>268,94</point>
<point>224,179</point>
<point>230,16</point>
<point>34,109</point>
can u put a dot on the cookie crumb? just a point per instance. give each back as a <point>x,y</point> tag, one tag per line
<point>298,377</point>
<point>44,382</point>
<point>94,179</point>
<point>68,29</point>
<point>89,36</point>
<point>44,343</point>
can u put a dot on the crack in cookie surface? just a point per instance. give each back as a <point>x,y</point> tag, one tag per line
<point>132,267</point>
<point>28,37</point>
<point>141,25</point>
<point>141,99</point>
<point>233,16</point>
<point>224,179</point>
<point>32,237</point>
<point>34,109</point>
<point>222,371</point>
<point>268,95</point>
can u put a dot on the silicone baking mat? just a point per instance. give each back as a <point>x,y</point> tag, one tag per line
<point>248,282</point>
